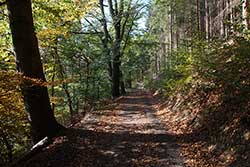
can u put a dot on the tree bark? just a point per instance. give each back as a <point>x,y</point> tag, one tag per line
<point>245,14</point>
<point>203,18</point>
<point>129,80</point>
<point>116,78</point>
<point>28,62</point>
<point>208,24</point>
<point>53,88</point>
<point>171,29</point>
<point>122,84</point>
<point>116,50</point>
<point>198,14</point>
<point>87,83</point>
<point>64,84</point>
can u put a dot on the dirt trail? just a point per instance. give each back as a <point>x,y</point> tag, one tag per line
<point>129,135</point>
<point>133,114</point>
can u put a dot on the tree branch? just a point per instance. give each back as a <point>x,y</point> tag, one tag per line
<point>34,151</point>
<point>116,7</point>
<point>130,28</point>
<point>111,9</point>
<point>126,19</point>
<point>94,28</point>
<point>104,22</point>
<point>85,33</point>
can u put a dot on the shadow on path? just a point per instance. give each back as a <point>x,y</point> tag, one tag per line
<point>130,135</point>
<point>101,149</point>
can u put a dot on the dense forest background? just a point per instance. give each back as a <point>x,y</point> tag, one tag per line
<point>193,53</point>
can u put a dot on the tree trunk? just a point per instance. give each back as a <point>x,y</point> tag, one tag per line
<point>198,14</point>
<point>122,84</point>
<point>203,18</point>
<point>171,29</point>
<point>116,59</point>
<point>245,14</point>
<point>208,24</point>
<point>116,78</point>
<point>106,39</point>
<point>64,84</point>
<point>87,83</point>
<point>53,88</point>
<point>28,63</point>
<point>129,80</point>
<point>123,90</point>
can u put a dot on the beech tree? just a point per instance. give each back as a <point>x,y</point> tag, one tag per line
<point>123,15</point>
<point>28,62</point>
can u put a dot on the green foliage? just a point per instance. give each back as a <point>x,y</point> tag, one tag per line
<point>136,58</point>
<point>14,127</point>
<point>54,21</point>
<point>227,65</point>
<point>6,53</point>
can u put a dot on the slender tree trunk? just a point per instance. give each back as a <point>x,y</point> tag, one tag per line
<point>129,81</point>
<point>116,58</point>
<point>106,40</point>
<point>122,85</point>
<point>171,29</point>
<point>98,88</point>
<point>198,14</point>
<point>28,63</point>
<point>142,74</point>
<point>64,85</point>
<point>87,82</point>
<point>245,14</point>
<point>116,78</point>
<point>70,104</point>
<point>123,89</point>
<point>53,88</point>
<point>156,65</point>
<point>203,18</point>
<point>177,38</point>
<point>169,36</point>
<point>208,36</point>
<point>164,55</point>
<point>75,100</point>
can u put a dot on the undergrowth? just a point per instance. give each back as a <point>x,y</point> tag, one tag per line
<point>211,102</point>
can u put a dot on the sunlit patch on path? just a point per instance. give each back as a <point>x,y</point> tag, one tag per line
<point>129,135</point>
<point>134,114</point>
<point>144,139</point>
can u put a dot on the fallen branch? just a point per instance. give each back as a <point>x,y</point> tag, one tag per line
<point>33,151</point>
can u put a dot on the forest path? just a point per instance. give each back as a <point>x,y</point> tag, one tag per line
<point>128,135</point>
<point>133,113</point>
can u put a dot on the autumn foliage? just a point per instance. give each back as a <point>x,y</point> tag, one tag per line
<point>14,127</point>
